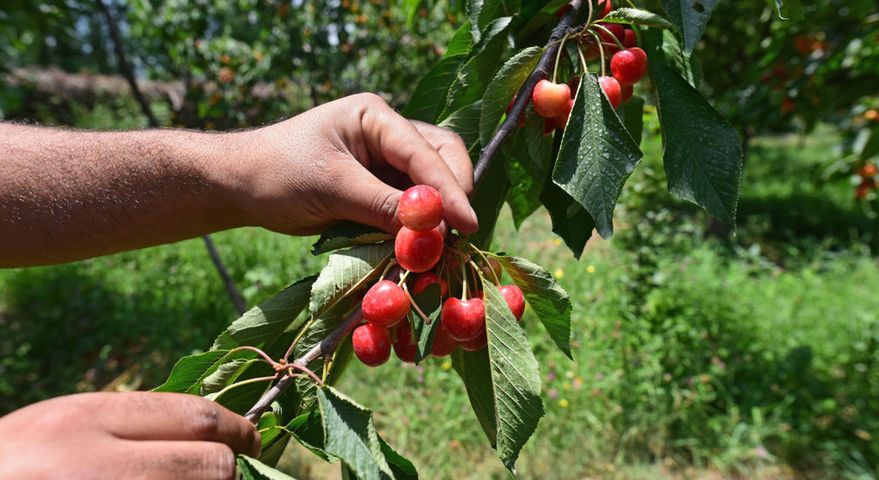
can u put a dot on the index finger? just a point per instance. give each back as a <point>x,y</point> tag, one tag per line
<point>397,141</point>
<point>175,416</point>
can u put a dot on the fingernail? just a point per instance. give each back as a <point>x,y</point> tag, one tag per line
<point>473,218</point>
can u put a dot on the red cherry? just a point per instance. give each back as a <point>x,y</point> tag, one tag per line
<point>477,343</point>
<point>515,299</point>
<point>463,319</point>
<point>372,344</point>
<point>405,346</point>
<point>867,171</point>
<point>550,98</point>
<point>611,88</point>
<point>421,207</point>
<point>443,343</point>
<point>427,279</point>
<point>626,92</point>
<point>385,304</point>
<point>608,6</point>
<point>607,41</point>
<point>418,251</point>
<point>562,120</point>
<point>630,38</point>
<point>629,65</point>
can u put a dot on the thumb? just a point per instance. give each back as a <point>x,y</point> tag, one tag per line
<point>366,199</point>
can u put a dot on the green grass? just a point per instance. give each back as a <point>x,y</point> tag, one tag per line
<point>756,357</point>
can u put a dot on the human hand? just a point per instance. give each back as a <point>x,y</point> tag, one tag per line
<point>124,435</point>
<point>347,160</point>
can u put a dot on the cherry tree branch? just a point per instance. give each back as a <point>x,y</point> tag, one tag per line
<point>328,345</point>
<point>541,71</point>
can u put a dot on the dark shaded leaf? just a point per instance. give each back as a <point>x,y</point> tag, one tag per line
<point>348,234</point>
<point>475,371</point>
<point>690,17</point>
<point>430,302</point>
<point>503,87</point>
<point>636,16</point>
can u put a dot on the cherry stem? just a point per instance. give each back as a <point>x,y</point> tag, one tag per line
<point>487,262</point>
<point>600,50</point>
<point>305,370</point>
<point>558,56</point>
<point>261,353</point>
<point>427,320</point>
<point>582,60</point>
<point>614,37</point>
<point>403,278</point>
<point>589,18</point>
<point>463,281</point>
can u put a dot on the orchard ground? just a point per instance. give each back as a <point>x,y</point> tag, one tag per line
<point>694,358</point>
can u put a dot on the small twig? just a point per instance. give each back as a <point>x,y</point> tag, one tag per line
<point>420,312</point>
<point>324,348</point>
<point>307,371</point>
<point>541,71</point>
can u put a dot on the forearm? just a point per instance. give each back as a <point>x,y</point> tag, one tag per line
<point>68,195</point>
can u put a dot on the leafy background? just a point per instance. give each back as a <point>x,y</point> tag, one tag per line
<point>696,352</point>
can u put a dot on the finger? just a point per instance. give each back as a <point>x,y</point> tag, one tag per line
<point>173,416</point>
<point>393,138</point>
<point>363,198</point>
<point>161,460</point>
<point>451,147</point>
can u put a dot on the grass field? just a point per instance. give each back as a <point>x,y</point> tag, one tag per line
<point>694,358</point>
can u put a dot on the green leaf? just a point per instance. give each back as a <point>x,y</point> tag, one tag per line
<point>475,370</point>
<point>473,76</point>
<point>274,438</point>
<point>632,115</point>
<point>870,147</point>
<point>351,435</point>
<point>679,60</point>
<point>482,12</point>
<point>465,122</point>
<point>308,430</point>
<point>515,377</point>
<point>488,199</point>
<point>253,469</point>
<point>346,270</point>
<point>546,297</point>
<point>503,87</point>
<point>226,374</point>
<point>597,155</point>
<point>265,322</point>
<point>690,17</point>
<point>432,91</point>
<point>569,219</point>
<point>528,169</point>
<point>317,331</point>
<point>401,467</point>
<point>348,234</point>
<point>702,151</point>
<point>461,41</point>
<point>411,8</point>
<point>430,302</point>
<point>636,16</point>
<point>189,371</point>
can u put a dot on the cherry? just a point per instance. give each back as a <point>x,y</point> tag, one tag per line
<point>385,304</point>
<point>477,343</point>
<point>864,188</point>
<point>427,279</point>
<point>492,268</point>
<point>630,38</point>
<point>608,6</point>
<point>443,343</point>
<point>607,39</point>
<point>550,98</point>
<point>611,88</point>
<point>418,251</point>
<point>372,344</point>
<point>515,299</point>
<point>867,171</point>
<point>463,319</point>
<point>405,346</point>
<point>629,65</point>
<point>626,92</point>
<point>562,120</point>
<point>421,207</point>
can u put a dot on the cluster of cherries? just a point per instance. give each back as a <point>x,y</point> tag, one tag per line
<point>628,64</point>
<point>867,172</point>
<point>419,249</point>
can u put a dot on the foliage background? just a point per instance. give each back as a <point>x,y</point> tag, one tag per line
<point>697,352</point>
